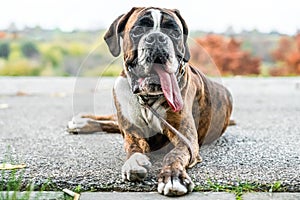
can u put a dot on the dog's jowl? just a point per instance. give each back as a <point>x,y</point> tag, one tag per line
<point>157,73</point>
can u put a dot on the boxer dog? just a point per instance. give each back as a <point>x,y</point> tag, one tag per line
<point>157,73</point>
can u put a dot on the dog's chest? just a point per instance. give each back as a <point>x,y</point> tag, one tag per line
<point>134,112</point>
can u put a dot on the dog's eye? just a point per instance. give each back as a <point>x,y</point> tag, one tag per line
<point>138,31</point>
<point>174,33</point>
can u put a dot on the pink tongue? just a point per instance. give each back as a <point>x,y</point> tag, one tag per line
<point>170,88</point>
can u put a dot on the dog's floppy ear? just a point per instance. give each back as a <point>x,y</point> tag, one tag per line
<point>112,36</point>
<point>185,35</point>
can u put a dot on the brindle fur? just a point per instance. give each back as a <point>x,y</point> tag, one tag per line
<point>203,119</point>
<point>206,114</point>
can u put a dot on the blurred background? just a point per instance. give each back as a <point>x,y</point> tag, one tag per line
<point>65,38</point>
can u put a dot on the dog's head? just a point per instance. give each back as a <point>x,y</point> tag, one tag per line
<point>154,46</point>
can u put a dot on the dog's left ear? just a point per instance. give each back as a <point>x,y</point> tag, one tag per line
<point>115,31</point>
<point>185,35</point>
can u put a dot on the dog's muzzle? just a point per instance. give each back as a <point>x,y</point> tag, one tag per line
<point>156,73</point>
<point>155,45</point>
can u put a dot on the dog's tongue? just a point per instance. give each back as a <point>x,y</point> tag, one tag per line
<point>170,88</point>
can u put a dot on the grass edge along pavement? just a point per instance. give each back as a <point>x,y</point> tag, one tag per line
<point>11,188</point>
<point>240,187</point>
<point>12,184</point>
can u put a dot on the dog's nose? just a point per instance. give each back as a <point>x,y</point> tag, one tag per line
<point>156,38</point>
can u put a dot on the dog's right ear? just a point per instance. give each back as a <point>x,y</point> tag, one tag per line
<point>115,31</point>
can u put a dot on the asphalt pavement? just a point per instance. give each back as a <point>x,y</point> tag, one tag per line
<point>263,147</point>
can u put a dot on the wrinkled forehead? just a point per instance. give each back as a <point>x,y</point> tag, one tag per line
<point>154,17</point>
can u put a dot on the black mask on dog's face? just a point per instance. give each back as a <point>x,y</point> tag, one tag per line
<point>154,44</point>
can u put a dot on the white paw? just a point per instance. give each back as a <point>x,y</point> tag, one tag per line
<point>84,125</point>
<point>77,123</point>
<point>175,186</point>
<point>135,168</point>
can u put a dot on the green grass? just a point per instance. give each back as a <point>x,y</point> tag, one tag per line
<point>11,184</point>
<point>240,188</point>
<point>12,181</point>
<point>78,189</point>
<point>14,187</point>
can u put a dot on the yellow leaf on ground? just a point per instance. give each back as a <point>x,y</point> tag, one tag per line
<point>72,194</point>
<point>7,166</point>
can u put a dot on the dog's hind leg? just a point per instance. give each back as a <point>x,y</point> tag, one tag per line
<point>86,123</point>
<point>112,117</point>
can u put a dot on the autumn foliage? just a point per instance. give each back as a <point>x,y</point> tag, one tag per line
<point>287,56</point>
<point>224,53</point>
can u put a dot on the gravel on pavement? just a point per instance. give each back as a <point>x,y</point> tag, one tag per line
<point>262,148</point>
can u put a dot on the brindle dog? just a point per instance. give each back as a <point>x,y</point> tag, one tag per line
<point>156,72</point>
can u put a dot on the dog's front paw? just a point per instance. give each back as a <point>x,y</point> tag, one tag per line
<point>136,167</point>
<point>174,181</point>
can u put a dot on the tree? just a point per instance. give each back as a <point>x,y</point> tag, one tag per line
<point>53,55</point>
<point>288,55</point>
<point>29,50</point>
<point>4,50</point>
<point>227,55</point>
<point>283,49</point>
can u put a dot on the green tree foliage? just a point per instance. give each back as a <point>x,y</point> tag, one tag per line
<point>4,50</point>
<point>29,50</point>
<point>15,52</point>
<point>19,67</point>
<point>77,49</point>
<point>54,55</point>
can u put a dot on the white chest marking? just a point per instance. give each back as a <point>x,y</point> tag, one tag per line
<point>156,15</point>
<point>134,112</point>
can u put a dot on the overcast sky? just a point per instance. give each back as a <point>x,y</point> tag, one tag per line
<point>207,15</point>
